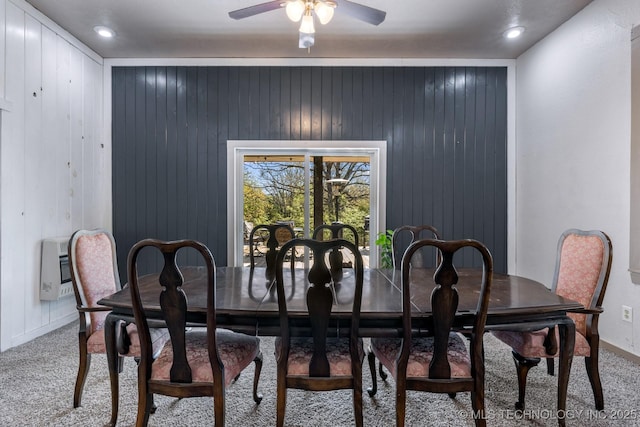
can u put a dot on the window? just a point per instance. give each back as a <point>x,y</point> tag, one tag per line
<point>333,162</point>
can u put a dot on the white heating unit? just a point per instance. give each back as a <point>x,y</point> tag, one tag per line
<point>55,275</point>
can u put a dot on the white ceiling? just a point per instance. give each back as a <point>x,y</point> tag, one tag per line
<point>412,28</point>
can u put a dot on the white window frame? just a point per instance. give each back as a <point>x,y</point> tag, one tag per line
<point>237,149</point>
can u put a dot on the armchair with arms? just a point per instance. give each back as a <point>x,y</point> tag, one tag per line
<point>582,270</point>
<point>94,273</point>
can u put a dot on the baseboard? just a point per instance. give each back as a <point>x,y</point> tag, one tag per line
<point>620,352</point>
<point>58,323</point>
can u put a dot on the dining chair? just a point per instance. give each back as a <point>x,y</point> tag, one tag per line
<point>415,232</point>
<point>94,274</point>
<point>336,230</point>
<point>397,250</point>
<point>195,361</point>
<point>440,362</point>
<point>582,269</point>
<point>324,357</point>
<point>275,235</point>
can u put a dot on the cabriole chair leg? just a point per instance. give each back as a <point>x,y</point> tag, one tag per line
<point>371,358</point>
<point>523,364</point>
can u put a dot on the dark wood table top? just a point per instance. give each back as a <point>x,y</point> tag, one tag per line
<point>245,297</point>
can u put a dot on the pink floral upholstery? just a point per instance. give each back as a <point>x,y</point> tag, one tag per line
<point>531,344</point>
<point>301,350</point>
<point>581,260</point>
<point>580,264</point>
<point>94,264</point>
<point>421,353</point>
<point>236,352</point>
<point>96,343</point>
<point>97,279</point>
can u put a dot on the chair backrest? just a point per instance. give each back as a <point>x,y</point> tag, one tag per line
<point>94,271</point>
<point>336,230</point>
<point>414,233</point>
<point>276,236</point>
<point>444,303</point>
<point>321,290</point>
<point>582,270</point>
<point>173,304</point>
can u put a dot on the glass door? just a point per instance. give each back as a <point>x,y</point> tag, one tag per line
<point>304,184</point>
<point>305,191</point>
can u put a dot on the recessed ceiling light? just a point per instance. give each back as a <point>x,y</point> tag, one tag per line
<point>514,32</point>
<point>105,32</point>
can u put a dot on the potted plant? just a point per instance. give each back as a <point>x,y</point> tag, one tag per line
<point>384,240</point>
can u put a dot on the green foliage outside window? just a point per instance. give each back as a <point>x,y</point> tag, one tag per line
<point>274,191</point>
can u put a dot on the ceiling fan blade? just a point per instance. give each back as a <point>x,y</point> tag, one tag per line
<point>361,12</point>
<point>256,9</point>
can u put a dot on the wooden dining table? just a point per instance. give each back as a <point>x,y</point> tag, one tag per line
<point>246,302</point>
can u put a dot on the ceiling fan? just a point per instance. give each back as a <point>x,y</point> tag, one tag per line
<point>305,10</point>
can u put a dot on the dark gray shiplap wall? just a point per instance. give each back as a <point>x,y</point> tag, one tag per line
<point>446,130</point>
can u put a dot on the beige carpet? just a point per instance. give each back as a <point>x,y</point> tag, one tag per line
<point>37,381</point>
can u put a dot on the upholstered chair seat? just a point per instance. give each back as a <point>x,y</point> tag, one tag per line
<point>236,352</point>
<point>420,355</point>
<point>533,344</point>
<point>159,336</point>
<point>337,354</point>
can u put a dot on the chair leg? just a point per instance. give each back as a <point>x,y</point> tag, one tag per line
<point>281,400</point>
<point>144,407</point>
<point>551,366</point>
<point>381,371</point>
<point>401,401</point>
<point>357,401</point>
<point>591,363</point>
<point>83,371</point>
<point>371,358</point>
<point>257,397</point>
<point>154,407</point>
<point>115,388</point>
<point>219,403</point>
<point>523,364</point>
<point>477,403</point>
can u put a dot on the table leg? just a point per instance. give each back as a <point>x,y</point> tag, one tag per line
<point>112,362</point>
<point>567,332</point>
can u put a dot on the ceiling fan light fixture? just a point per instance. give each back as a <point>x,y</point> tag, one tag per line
<point>324,11</point>
<point>305,41</point>
<point>295,9</point>
<point>306,25</point>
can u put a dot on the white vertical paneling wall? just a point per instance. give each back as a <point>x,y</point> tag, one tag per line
<point>53,165</point>
<point>12,183</point>
<point>33,180</point>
